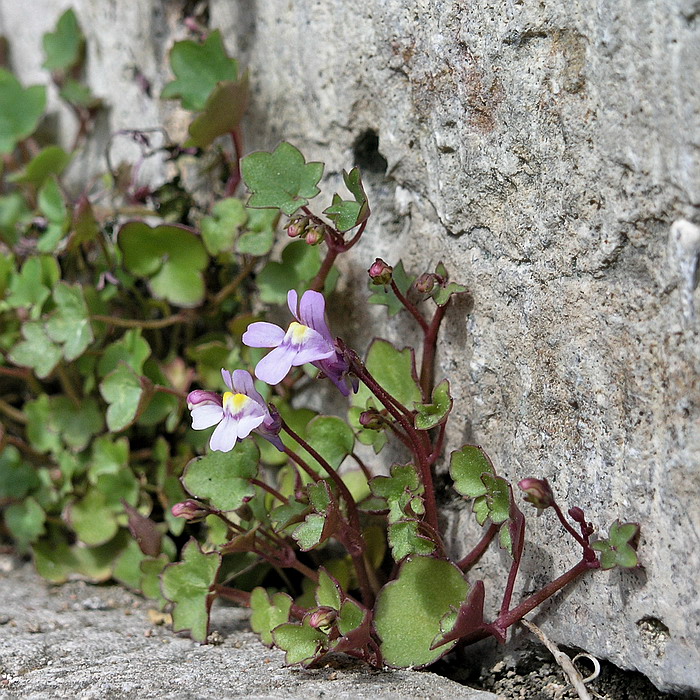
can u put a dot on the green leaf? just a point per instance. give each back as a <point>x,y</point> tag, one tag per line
<point>394,370</point>
<point>219,231</point>
<point>281,179</point>
<point>300,263</point>
<point>171,257</point>
<point>79,95</point>
<point>259,236</point>
<point>224,477</point>
<point>13,211</point>
<point>76,424</point>
<point>150,582</point>
<point>64,47</point>
<point>32,287</point>
<point>198,68</point>
<point>409,609</point>
<point>288,514</point>
<point>385,295</point>
<point>442,295</point>
<point>497,497</point>
<point>311,532</point>
<point>36,350</point>
<point>93,519</point>
<point>20,110</point>
<point>70,323</point>
<point>127,567</point>
<point>51,160</point>
<point>328,592</point>
<point>351,616</point>
<point>404,539</point>
<point>466,467</point>
<point>131,349</point>
<point>433,414</point>
<point>222,113</point>
<point>332,438</point>
<point>17,477</point>
<point>84,225</point>
<point>347,214</point>
<point>398,490</point>
<point>25,521</point>
<point>188,585</point>
<point>268,612</point>
<point>123,391</point>
<point>619,549</point>
<point>51,202</point>
<point>301,641</point>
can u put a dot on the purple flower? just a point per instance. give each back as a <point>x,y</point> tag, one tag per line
<point>238,413</point>
<point>307,339</point>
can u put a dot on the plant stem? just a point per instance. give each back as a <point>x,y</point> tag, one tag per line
<point>362,466</point>
<point>473,557</point>
<point>168,390</point>
<point>571,531</point>
<point>14,413</point>
<point>234,179</point>
<point>410,307</point>
<point>427,364</point>
<point>138,323</point>
<point>320,280</point>
<point>270,490</point>
<point>302,463</point>
<point>67,385</point>
<point>235,283</point>
<point>234,594</point>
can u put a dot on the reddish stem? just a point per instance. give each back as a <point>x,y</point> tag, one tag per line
<point>410,307</point>
<point>427,365</point>
<point>270,490</point>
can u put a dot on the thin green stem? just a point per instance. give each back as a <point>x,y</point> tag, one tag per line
<point>139,323</point>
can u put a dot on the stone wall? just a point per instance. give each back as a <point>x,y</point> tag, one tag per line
<point>549,154</point>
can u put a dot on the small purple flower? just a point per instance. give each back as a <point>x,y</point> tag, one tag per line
<point>308,339</point>
<point>238,412</point>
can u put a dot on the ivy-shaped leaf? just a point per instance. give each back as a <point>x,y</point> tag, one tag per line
<point>131,349</point>
<point>222,113</point>
<point>51,160</point>
<point>65,46</point>
<point>442,295</point>
<point>171,257</point>
<point>93,519</point>
<point>223,477</point>
<point>268,612</point>
<point>348,214</point>
<point>36,350</point>
<point>281,179</point>
<point>302,642</point>
<point>385,295</point>
<point>466,467</point>
<point>20,110</point>
<point>410,608</point>
<point>188,585</point>
<point>433,414</point>
<point>498,497</point>
<point>31,288</point>
<point>405,538</point>
<point>52,206</point>
<point>398,490</point>
<point>259,235</point>
<point>619,549</point>
<point>123,391</point>
<point>198,68</point>
<point>25,521</point>
<point>324,522</point>
<point>70,323</point>
<point>220,230</point>
<point>17,477</point>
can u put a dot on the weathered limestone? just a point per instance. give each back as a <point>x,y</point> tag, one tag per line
<point>548,153</point>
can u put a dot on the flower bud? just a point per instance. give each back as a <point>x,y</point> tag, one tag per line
<point>538,492</point>
<point>297,226</point>
<point>314,235</point>
<point>322,617</point>
<point>425,283</point>
<point>577,515</point>
<point>380,273</point>
<point>190,510</point>
<point>371,420</point>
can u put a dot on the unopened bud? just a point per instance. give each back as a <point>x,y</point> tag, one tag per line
<point>425,283</point>
<point>371,420</point>
<point>538,492</point>
<point>314,235</point>
<point>190,510</point>
<point>380,273</point>
<point>323,617</point>
<point>577,515</point>
<point>297,226</point>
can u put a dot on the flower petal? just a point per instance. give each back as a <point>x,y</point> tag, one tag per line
<point>206,415</point>
<point>226,375</point>
<point>246,424</point>
<point>224,437</point>
<point>273,368</point>
<point>292,303</point>
<point>314,347</point>
<point>263,335</point>
<point>312,312</point>
<point>242,383</point>
<point>200,396</point>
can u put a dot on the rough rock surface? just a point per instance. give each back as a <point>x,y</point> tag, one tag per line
<point>81,641</point>
<point>549,153</point>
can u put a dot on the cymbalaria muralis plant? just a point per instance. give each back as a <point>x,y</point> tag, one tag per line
<point>153,426</point>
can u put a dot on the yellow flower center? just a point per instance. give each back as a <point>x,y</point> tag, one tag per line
<point>298,332</point>
<point>235,402</point>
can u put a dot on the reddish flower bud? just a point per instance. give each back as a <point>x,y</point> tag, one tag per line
<point>577,515</point>
<point>314,235</point>
<point>190,510</point>
<point>297,226</point>
<point>371,420</point>
<point>425,283</point>
<point>380,272</point>
<point>323,617</point>
<point>538,492</point>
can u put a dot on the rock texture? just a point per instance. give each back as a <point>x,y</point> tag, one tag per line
<point>549,153</point>
<point>80,641</point>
